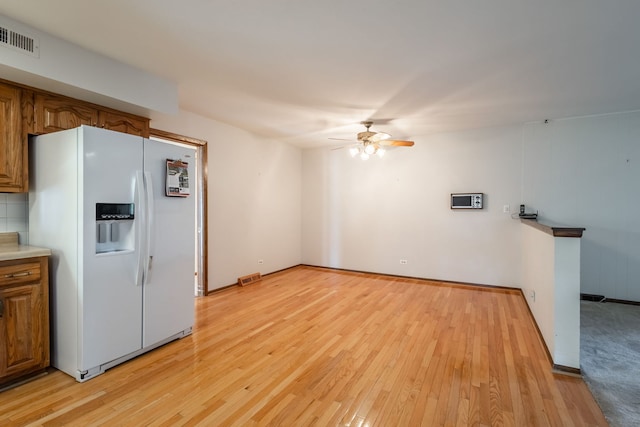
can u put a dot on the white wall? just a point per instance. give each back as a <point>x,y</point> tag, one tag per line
<point>254,198</point>
<point>585,172</point>
<point>577,172</point>
<point>254,184</point>
<point>369,215</point>
<point>68,69</point>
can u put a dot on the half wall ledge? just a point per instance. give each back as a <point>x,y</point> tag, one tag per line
<point>551,286</point>
<point>555,230</point>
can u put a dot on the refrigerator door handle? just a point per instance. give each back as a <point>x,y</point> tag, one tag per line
<point>140,219</point>
<point>149,226</point>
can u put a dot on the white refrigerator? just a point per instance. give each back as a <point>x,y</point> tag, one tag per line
<point>116,212</point>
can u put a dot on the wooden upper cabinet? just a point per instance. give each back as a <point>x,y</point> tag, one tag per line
<point>25,110</point>
<point>13,144</point>
<point>54,113</point>
<point>124,123</point>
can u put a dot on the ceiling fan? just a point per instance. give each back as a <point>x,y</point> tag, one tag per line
<point>370,143</point>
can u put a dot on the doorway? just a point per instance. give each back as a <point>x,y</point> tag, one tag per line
<point>200,192</point>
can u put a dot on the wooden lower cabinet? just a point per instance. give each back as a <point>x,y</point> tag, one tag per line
<point>24,317</point>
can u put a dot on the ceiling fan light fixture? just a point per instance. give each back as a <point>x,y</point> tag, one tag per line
<point>370,143</point>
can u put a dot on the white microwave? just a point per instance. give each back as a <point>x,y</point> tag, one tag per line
<point>466,200</point>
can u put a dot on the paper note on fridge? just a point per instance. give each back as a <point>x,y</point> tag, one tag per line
<point>177,178</point>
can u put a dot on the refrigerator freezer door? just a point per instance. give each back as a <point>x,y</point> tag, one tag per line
<point>54,222</point>
<point>110,297</point>
<point>168,292</point>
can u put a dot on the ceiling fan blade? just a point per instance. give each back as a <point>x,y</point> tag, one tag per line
<point>379,136</point>
<point>343,139</point>
<point>396,143</point>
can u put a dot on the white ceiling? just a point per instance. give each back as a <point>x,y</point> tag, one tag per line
<point>303,71</point>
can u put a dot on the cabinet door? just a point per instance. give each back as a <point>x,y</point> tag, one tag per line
<point>58,113</point>
<point>121,122</point>
<point>13,147</point>
<point>21,330</point>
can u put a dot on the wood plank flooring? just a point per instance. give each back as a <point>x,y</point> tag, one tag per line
<point>312,346</point>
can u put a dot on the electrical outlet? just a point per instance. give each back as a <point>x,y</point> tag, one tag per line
<point>532,295</point>
<point>506,208</point>
<point>260,261</point>
<point>403,261</point>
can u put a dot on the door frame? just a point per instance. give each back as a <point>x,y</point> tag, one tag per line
<point>202,208</point>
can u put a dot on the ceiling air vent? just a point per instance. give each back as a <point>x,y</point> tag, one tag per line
<point>20,42</point>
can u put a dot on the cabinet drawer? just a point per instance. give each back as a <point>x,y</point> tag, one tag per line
<point>23,272</point>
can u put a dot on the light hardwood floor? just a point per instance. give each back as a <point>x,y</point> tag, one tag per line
<point>312,346</point>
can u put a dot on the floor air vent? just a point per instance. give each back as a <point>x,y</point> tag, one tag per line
<point>247,280</point>
<point>19,41</point>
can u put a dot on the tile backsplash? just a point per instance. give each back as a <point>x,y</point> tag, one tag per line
<point>14,214</point>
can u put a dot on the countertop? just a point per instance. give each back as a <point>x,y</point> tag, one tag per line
<point>10,249</point>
